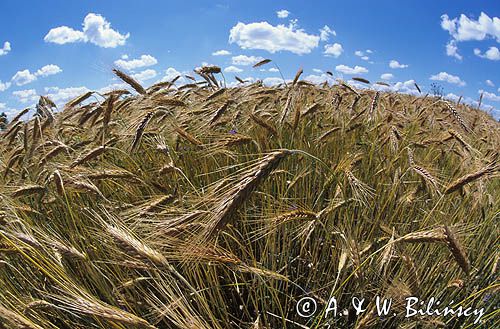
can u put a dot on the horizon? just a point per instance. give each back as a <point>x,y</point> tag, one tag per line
<point>67,49</point>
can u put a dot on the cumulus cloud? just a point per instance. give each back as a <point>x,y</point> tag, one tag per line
<point>386,76</point>
<point>245,60</point>
<point>265,36</point>
<point>4,85</point>
<point>466,29</point>
<point>446,77</point>
<point>492,53</point>
<point>334,50</point>
<point>95,30</point>
<point>5,49</point>
<point>47,70</point>
<point>351,70</point>
<point>25,96</point>
<point>143,61</point>
<point>490,83</point>
<point>452,50</point>
<point>25,76</point>
<point>172,73</point>
<point>394,64</point>
<point>221,52</point>
<point>64,34</point>
<point>144,75</point>
<point>113,86</point>
<point>405,87</point>
<point>490,96</point>
<point>319,79</point>
<point>62,95</point>
<point>233,69</point>
<point>272,81</point>
<point>283,13</point>
<point>273,69</point>
<point>236,83</point>
<point>361,54</point>
<point>325,32</point>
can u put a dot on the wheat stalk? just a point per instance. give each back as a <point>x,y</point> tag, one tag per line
<point>140,130</point>
<point>456,250</point>
<point>233,199</point>
<point>466,179</point>
<point>92,154</point>
<point>130,81</point>
<point>263,123</point>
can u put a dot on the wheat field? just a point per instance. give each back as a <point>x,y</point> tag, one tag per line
<point>199,206</point>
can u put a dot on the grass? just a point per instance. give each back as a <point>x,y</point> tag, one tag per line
<point>207,207</point>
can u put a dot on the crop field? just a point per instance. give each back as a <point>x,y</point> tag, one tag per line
<point>205,206</point>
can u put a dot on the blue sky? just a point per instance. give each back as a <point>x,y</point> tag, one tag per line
<point>64,48</point>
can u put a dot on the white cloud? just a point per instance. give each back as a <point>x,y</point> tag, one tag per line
<point>233,69</point>
<point>490,96</point>
<point>143,61</point>
<point>221,52</point>
<point>317,71</point>
<point>8,111</point>
<point>334,50</point>
<point>273,69</point>
<point>452,50</point>
<point>47,70</point>
<point>272,81</point>
<point>4,85</point>
<point>350,70</point>
<point>95,30</point>
<point>64,34</point>
<point>25,96</point>
<point>283,13</point>
<point>386,76</point>
<point>113,86</point>
<point>245,60</point>
<point>362,54</point>
<point>444,76</point>
<point>265,36</point>
<point>5,49</point>
<point>236,83</point>
<point>465,28</point>
<point>490,83</point>
<point>23,77</point>
<point>452,97</point>
<point>405,87</point>
<point>61,95</point>
<point>318,79</point>
<point>466,100</point>
<point>144,75</point>
<point>325,32</point>
<point>394,64</point>
<point>492,53</point>
<point>171,73</point>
